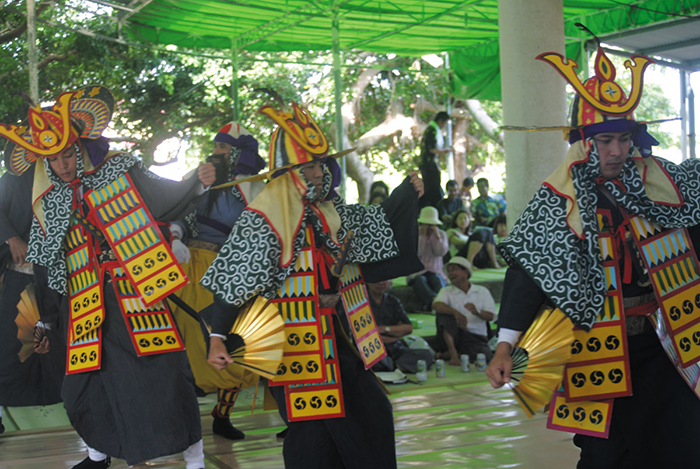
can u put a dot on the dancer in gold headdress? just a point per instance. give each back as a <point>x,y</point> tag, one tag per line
<point>604,241</point>
<point>104,264</point>
<point>290,245</point>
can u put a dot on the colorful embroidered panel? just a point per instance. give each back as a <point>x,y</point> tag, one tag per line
<point>323,400</point>
<point>85,353</point>
<point>119,212</point>
<point>599,366</point>
<point>587,418</point>
<point>364,328</point>
<point>297,300</point>
<point>673,268</point>
<point>85,298</point>
<point>151,327</point>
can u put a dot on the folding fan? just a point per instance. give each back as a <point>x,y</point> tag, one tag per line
<point>539,359</point>
<point>28,333</point>
<point>257,338</point>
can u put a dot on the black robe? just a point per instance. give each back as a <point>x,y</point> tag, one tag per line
<point>364,438</point>
<point>38,380</point>
<point>133,408</point>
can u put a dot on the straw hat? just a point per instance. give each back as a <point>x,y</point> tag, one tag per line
<point>429,216</point>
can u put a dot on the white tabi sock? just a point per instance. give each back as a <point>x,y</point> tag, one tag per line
<point>95,455</point>
<point>194,455</point>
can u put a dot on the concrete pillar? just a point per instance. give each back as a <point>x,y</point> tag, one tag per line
<point>534,94</point>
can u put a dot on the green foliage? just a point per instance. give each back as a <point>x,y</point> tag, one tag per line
<point>175,94</point>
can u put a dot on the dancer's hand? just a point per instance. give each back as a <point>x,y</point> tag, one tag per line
<point>499,370</point>
<point>417,183</point>
<point>218,355</point>
<point>206,174</point>
<point>18,248</point>
<point>43,346</point>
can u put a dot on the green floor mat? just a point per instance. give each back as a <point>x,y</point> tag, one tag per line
<point>480,276</point>
<point>34,417</point>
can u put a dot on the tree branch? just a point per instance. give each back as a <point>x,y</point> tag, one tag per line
<point>10,34</point>
<point>484,120</point>
<point>41,65</point>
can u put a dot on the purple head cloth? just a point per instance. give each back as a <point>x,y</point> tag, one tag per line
<point>336,173</point>
<point>97,149</point>
<point>249,161</point>
<point>617,125</point>
<point>642,139</point>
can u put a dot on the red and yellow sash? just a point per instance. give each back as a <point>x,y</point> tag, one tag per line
<point>145,271</point>
<point>87,311</point>
<point>599,370</point>
<point>364,328</point>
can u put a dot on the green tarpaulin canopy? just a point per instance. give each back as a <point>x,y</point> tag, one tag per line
<point>468,29</point>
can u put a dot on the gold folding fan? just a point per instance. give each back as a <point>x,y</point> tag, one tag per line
<point>27,316</point>
<point>539,359</point>
<point>257,338</point>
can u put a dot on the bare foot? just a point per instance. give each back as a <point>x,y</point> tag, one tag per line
<point>454,361</point>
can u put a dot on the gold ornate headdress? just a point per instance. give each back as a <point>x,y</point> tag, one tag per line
<point>83,113</point>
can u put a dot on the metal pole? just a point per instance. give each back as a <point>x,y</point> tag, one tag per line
<point>451,155</point>
<point>31,43</point>
<point>684,114</point>
<point>691,123</point>
<point>338,87</point>
<point>234,83</point>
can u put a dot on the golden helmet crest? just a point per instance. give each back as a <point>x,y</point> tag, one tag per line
<point>600,97</point>
<point>297,139</point>
<point>83,113</point>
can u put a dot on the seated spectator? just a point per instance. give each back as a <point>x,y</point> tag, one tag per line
<point>450,204</point>
<point>378,193</point>
<point>432,246</point>
<point>500,228</point>
<point>393,324</point>
<point>478,247</point>
<point>379,187</point>
<point>500,231</point>
<point>463,313</point>
<point>486,207</point>
<point>467,186</point>
<point>377,198</point>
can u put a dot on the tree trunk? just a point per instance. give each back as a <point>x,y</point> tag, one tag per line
<point>354,166</point>
<point>459,141</point>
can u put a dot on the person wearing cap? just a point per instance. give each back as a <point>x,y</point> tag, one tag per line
<point>590,243</point>
<point>432,246</point>
<point>205,231</point>
<point>298,244</point>
<point>102,262</point>
<point>463,311</point>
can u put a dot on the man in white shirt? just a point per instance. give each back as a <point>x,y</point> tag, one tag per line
<point>463,312</point>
